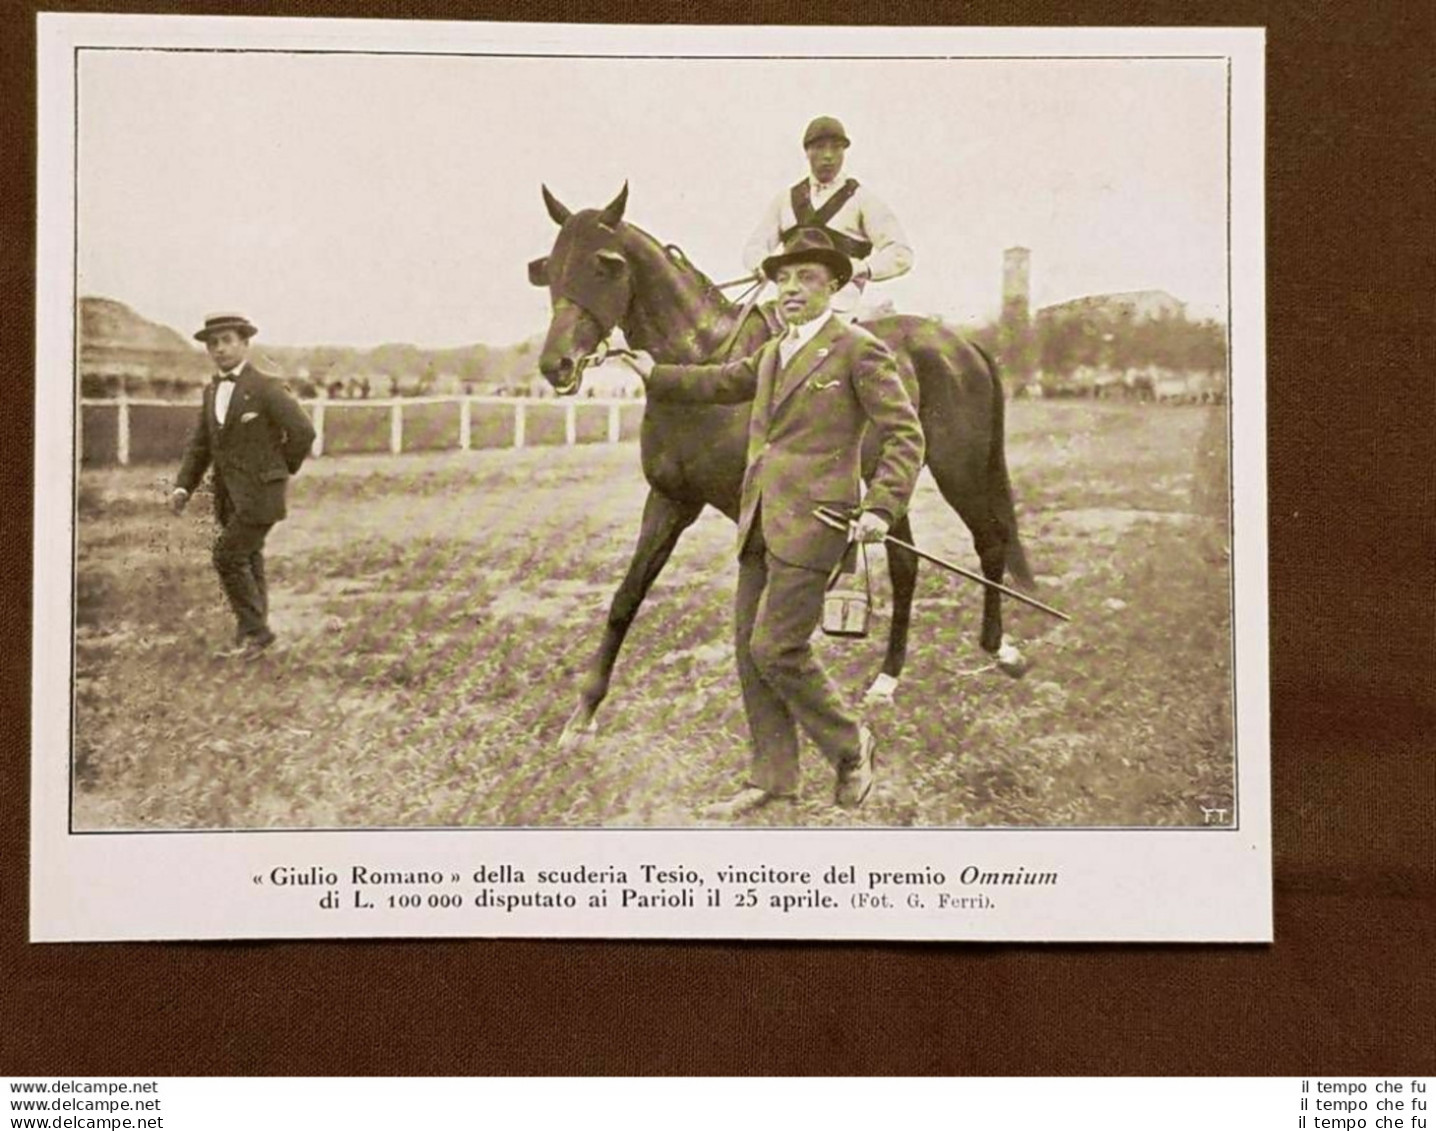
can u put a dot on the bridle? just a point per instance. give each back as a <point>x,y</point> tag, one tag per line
<point>598,355</point>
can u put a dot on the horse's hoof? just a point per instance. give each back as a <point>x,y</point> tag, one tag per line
<point>576,735</point>
<point>880,694</point>
<point>1010,660</point>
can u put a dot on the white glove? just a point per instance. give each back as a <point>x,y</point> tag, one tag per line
<point>870,527</point>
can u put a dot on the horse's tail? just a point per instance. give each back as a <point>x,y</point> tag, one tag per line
<point>999,484</point>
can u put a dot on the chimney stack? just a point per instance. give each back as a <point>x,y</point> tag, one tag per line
<point>1016,272</point>
<point>1015,344</point>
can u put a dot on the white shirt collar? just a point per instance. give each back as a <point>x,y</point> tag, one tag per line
<point>805,332</point>
<point>235,372</point>
<point>800,335</point>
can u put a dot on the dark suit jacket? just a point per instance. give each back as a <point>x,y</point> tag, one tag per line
<point>263,441</point>
<point>805,435</point>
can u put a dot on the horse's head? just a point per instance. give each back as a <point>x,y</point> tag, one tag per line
<point>588,279</point>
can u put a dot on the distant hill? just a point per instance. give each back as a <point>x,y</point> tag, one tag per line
<point>107,325</point>
<point>119,347</point>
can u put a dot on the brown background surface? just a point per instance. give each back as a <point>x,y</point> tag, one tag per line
<point>1348,986</point>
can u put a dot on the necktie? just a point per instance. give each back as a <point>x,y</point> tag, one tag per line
<point>790,345</point>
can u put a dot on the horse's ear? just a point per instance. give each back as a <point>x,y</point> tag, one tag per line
<point>611,215</point>
<point>559,213</point>
<point>538,272</point>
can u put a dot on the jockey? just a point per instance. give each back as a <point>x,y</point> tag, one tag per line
<point>860,224</point>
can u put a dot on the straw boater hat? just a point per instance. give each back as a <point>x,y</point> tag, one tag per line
<point>214,323</point>
<point>825,127</point>
<point>811,245</point>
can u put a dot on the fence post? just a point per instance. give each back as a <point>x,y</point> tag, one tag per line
<point>464,425</point>
<point>396,427</point>
<point>520,414</point>
<point>570,423</point>
<point>614,430</point>
<point>318,446</point>
<point>122,424</point>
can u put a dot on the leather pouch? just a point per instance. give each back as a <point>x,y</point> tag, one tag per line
<point>848,601</point>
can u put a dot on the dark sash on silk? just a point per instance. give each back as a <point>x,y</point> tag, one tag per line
<point>805,216</point>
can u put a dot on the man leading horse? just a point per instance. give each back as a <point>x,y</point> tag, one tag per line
<point>814,391</point>
<point>604,273</point>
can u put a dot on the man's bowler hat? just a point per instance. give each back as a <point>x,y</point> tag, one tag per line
<point>825,128</point>
<point>811,245</point>
<point>214,323</point>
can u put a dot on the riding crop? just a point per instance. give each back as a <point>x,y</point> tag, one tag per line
<point>838,521</point>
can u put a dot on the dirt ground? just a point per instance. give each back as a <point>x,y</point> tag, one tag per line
<point>436,611</point>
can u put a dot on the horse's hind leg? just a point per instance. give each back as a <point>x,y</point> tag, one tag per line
<point>664,520</point>
<point>962,485</point>
<point>902,569</point>
<point>1009,659</point>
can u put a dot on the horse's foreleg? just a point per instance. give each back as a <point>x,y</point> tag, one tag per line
<point>664,520</point>
<point>902,570</point>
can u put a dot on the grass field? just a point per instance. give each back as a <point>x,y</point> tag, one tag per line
<point>435,610</point>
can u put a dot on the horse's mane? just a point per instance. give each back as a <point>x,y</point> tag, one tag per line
<point>716,324</point>
<point>679,258</point>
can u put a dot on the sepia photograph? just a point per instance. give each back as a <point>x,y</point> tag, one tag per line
<point>575,432</point>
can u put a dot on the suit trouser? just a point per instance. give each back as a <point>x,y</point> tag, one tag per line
<point>239,561</point>
<point>784,687</point>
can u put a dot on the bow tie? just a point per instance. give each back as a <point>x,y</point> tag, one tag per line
<point>224,376</point>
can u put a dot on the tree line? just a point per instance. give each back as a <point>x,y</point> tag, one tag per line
<point>1057,344</point>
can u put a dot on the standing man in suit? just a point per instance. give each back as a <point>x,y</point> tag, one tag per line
<point>860,225</point>
<point>814,392</point>
<point>256,436</point>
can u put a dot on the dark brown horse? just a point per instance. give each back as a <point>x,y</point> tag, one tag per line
<point>604,273</point>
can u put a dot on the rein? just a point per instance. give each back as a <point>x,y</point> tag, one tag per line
<point>738,282</point>
<point>599,354</point>
<point>751,295</point>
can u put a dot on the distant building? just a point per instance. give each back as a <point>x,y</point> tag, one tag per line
<point>1136,305</point>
